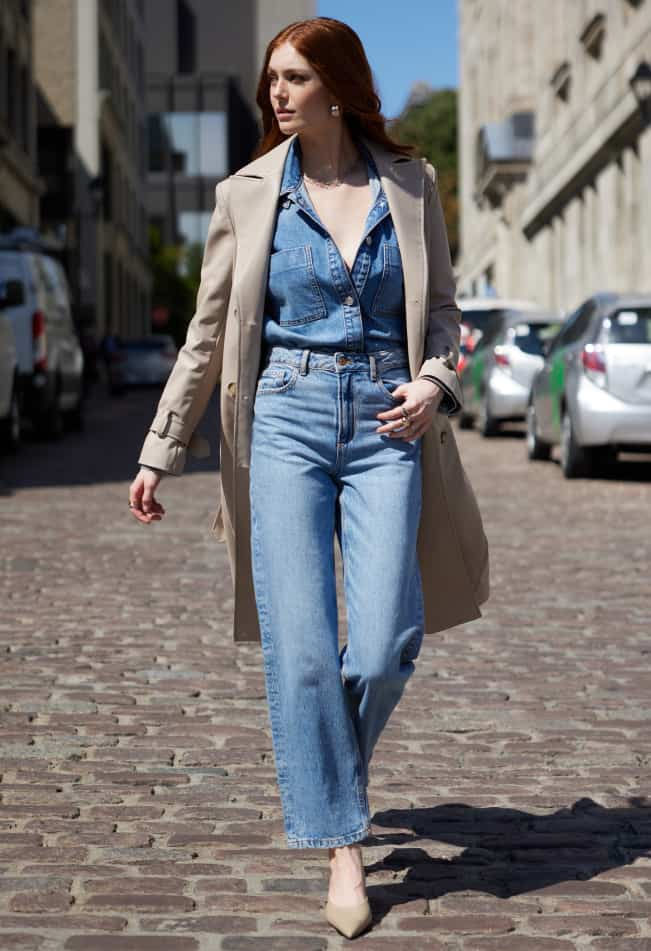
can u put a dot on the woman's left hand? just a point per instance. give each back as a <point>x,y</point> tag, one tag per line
<point>421,401</point>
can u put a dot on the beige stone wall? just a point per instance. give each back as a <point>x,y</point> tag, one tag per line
<point>55,68</point>
<point>591,232</point>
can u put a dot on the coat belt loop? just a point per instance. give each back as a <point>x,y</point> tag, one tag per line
<point>371,360</point>
<point>304,358</point>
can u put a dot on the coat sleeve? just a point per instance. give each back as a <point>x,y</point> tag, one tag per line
<point>198,365</point>
<point>443,330</point>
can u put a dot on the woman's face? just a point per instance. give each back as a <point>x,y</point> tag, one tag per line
<point>296,87</point>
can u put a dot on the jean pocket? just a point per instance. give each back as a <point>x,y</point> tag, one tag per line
<point>390,297</point>
<point>276,378</point>
<point>387,380</point>
<point>294,296</point>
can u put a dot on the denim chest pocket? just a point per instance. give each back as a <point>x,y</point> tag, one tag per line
<point>389,298</point>
<point>294,293</point>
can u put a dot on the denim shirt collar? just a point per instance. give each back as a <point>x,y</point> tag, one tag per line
<point>292,174</point>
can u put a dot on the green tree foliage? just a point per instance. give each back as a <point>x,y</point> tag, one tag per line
<point>429,122</point>
<point>175,271</point>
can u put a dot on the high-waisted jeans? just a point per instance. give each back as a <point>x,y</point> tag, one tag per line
<point>318,468</point>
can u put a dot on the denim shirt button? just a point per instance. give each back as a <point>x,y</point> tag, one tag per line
<point>369,239</point>
<point>348,301</point>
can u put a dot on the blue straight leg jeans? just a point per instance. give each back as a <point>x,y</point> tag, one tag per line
<point>319,469</point>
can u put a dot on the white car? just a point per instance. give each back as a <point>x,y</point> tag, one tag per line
<point>49,355</point>
<point>9,403</point>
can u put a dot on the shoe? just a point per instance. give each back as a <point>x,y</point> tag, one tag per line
<point>349,920</point>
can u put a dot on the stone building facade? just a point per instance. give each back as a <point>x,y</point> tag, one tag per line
<point>89,68</point>
<point>20,187</point>
<point>555,155</point>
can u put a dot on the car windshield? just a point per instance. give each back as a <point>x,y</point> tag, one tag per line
<point>481,324</point>
<point>630,325</point>
<point>530,337</point>
<point>480,319</point>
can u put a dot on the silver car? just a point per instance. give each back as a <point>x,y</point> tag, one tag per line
<point>146,361</point>
<point>592,395</point>
<point>497,377</point>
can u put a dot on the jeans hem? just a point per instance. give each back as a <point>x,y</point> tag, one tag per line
<point>333,841</point>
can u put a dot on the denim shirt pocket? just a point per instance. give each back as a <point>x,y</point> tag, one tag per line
<point>389,299</point>
<point>295,296</point>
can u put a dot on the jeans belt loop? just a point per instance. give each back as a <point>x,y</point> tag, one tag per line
<point>371,360</point>
<point>304,358</point>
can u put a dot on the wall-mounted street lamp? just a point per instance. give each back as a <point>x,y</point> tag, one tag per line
<point>640,83</point>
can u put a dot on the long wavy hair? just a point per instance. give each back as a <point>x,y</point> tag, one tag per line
<point>335,52</point>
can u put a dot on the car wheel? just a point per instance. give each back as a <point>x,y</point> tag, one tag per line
<point>10,426</point>
<point>575,460</point>
<point>50,422</point>
<point>487,424</point>
<point>536,447</point>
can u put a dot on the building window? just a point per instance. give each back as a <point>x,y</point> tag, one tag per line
<point>186,38</point>
<point>107,182</point>
<point>24,109</point>
<point>561,82</point>
<point>593,36</point>
<point>11,90</point>
<point>188,143</point>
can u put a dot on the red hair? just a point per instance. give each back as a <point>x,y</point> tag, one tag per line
<point>335,51</point>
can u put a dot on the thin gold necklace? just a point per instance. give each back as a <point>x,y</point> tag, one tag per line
<point>335,181</point>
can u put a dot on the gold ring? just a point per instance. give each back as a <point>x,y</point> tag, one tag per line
<point>405,413</point>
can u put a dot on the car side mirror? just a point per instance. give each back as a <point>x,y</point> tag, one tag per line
<point>12,294</point>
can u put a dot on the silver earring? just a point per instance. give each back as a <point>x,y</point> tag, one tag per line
<point>334,110</point>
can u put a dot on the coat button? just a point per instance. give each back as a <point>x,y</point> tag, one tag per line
<point>231,389</point>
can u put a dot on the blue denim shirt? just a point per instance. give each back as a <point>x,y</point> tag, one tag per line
<point>312,299</point>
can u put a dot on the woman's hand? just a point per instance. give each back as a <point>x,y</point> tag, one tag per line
<point>421,401</point>
<point>142,502</point>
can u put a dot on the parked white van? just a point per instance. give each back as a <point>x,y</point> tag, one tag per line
<point>9,403</point>
<point>49,356</point>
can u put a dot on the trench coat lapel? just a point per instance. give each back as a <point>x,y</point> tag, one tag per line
<point>255,189</point>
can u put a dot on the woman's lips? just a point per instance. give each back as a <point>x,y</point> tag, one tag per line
<point>283,115</point>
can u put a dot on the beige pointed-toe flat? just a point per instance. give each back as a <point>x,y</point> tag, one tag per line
<point>349,920</point>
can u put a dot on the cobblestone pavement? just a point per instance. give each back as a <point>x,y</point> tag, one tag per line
<point>139,810</point>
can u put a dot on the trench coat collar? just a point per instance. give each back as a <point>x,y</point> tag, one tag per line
<point>402,178</point>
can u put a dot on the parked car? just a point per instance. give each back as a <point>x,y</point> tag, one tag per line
<point>9,403</point>
<point>592,395</point>
<point>145,361</point>
<point>477,314</point>
<point>50,359</point>
<point>497,378</point>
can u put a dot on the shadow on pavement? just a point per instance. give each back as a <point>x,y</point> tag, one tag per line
<point>630,467</point>
<point>106,450</point>
<point>506,851</point>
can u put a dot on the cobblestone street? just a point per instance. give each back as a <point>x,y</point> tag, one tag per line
<point>139,809</point>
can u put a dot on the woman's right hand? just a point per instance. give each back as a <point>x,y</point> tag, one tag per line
<point>142,501</point>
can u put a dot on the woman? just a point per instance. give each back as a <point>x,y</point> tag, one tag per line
<point>326,309</point>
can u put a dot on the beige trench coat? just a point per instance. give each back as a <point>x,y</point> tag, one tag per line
<point>224,345</point>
